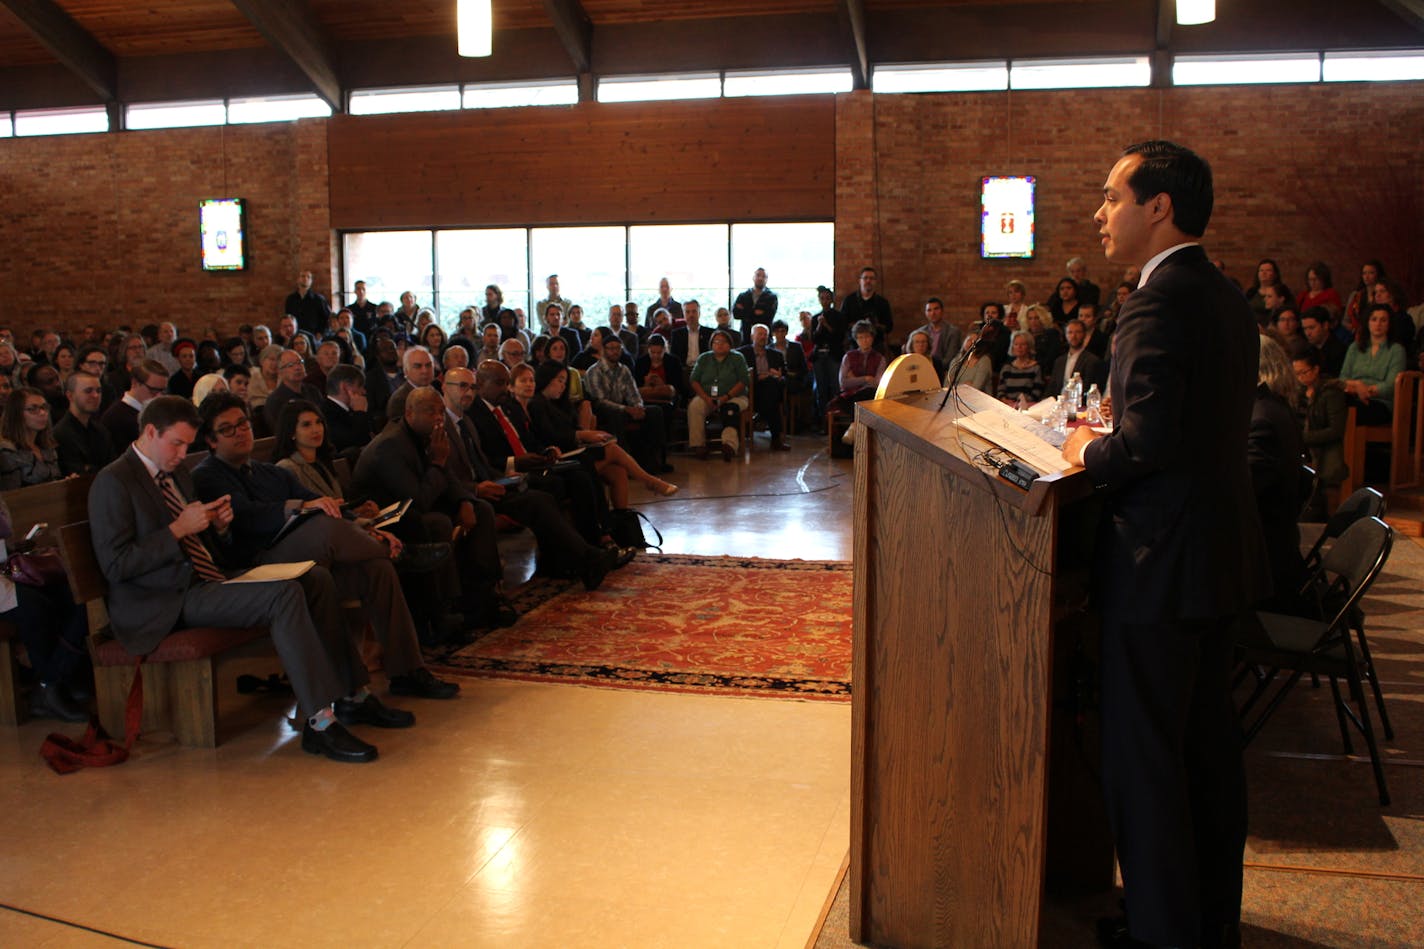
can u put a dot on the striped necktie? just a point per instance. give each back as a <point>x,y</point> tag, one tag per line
<point>202,561</point>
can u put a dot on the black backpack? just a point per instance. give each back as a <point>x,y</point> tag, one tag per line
<point>627,531</point>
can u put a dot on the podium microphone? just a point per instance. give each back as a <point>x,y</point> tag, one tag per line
<point>982,346</point>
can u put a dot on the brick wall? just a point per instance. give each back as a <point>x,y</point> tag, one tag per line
<point>104,228</point>
<point>1302,172</point>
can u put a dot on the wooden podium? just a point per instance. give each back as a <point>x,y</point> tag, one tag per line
<point>972,768</point>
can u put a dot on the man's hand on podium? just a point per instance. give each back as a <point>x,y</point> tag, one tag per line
<point>1077,441</point>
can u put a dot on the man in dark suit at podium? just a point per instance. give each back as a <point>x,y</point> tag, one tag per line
<point>1180,553</point>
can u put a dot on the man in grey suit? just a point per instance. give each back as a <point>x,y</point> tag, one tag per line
<point>945,337</point>
<point>156,549</point>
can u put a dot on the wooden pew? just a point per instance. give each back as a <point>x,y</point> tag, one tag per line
<point>54,503</point>
<point>179,677</point>
<point>1404,433</point>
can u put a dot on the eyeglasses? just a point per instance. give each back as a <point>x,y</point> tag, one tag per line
<point>289,365</point>
<point>95,362</point>
<point>461,385</point>
<point>37,408</point>
<point>227,431</point>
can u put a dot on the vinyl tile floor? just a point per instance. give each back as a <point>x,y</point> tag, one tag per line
<point>518,815</point>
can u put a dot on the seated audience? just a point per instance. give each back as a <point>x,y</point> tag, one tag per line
<point>861,368</point>
<point>1322,405</point>
<point>1268,274</point>
<point>490,339</point>
<point>618,404</point>
<point>82,444</point>
<point>1076,359</point>
<point>660,380</point>
<point>265,379</point>
<point>27,446</point>
<point>631,341</point>
<point>511,353</point>
<point>1356,308</point>
<point>328,357</point>
<point>146,381</point>
<point>1063,305</point>
<point>45,378</point>
<point>1016,307</point>
<point>419,369</point>
<point>383,375</point>
<point>945,338</point>
<point>1370,367</point>
<point>719,382</point>
<point>1319,290</point>
<point>919,344</point>
<point>1287,327</point>
<point>558,351</point>
<point>973,367</point>
<point>207,385</point>
<point>1273,449</point>
<point>552,421</point>
<point>263,497</point>
<point>1021,379</point>
<point>724,322</point>
<point>157,550</point>
<point>348,423</point>
<point>239,381</point>
<point>54,631</point>
<point>1316,333</point>
<point>1048,342</point>
<point>767,368</point>
<point>689,342</point>
<point>1095,339</point>
<point>292,384</point>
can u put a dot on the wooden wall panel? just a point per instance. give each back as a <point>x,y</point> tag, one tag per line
<point>739,159</point>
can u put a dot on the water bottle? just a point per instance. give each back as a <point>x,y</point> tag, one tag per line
<point>1058,421</point>
<point>1076,402</point>
<point>1095,405</point>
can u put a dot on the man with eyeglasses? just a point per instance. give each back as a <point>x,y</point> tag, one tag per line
<point>511,353</point>
<point>93,360</point>
<point>148,380</point>
<point>291,384</point>
<point>132,351</point>
<point>263,496</point>
<point>84,445</point>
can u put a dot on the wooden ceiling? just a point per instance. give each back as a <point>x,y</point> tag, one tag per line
<point>128,50</point>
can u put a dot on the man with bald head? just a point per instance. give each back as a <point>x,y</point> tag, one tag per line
<point>419,368</point>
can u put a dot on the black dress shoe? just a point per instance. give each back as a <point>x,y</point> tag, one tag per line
<point>371,711</point>
<point>596,567</point>
<point>422,558</point>
<point>48,700</point>
<point>336,743</point>
<point>423,685</point>
<point>625,556</point>
<point>502,613</point>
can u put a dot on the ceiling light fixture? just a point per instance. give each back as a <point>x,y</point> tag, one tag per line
<point>1195,12</point>
<point>474,27</point>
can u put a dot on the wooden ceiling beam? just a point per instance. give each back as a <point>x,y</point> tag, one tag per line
<point>575,31</point>
<point>852,16</point>
<point>1411,11</point>
<point>292,29</point>
<point>70,43</point>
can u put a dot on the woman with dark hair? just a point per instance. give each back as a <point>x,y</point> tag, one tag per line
<point>1371,273</point>
<point>234,353</point>
<point>1370,367</point>
<point>1268,273</point>
<point>209,357</point>
<point>301,448</point>
<point>1319,290</point>
<point>538,350</point>
<point>1063,304</point>
<point>553,421</point>
<point>973,366</point>
<point>433,338</point>
<point>10,361</point>
<point>28,452</point>
<point>63,360</point>
<point>861,368</point>
<point>1287,327</point>
<point>1322,405</point>
<point>1401,324</point>
<point>558,351</point>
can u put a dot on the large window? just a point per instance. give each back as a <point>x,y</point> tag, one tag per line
<point>448,269</point>
<point>391,262</point>
<point>469,261</point>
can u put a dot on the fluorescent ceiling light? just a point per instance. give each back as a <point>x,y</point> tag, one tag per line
<point>786,82</point>
<point>513,94</point>
<point>1195,12</point>
<point>1101,73</point>
<point>474,27</point>
<point>658,88</point>
<point>408,99</point>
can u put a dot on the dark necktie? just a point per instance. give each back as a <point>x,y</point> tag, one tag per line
<point>202,561</point>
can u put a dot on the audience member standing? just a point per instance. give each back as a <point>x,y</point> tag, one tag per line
<point>309,307</point>
<point>867,304</point>
<point>757,305</point>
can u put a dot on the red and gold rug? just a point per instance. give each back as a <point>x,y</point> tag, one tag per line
<point>721,625</point>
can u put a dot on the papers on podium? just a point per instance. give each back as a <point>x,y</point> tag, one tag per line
<point>1018,433</point>
<point>269,572</point>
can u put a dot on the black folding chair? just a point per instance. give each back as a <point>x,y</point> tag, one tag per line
<point>1309,484</point>
<point>1323,646</point>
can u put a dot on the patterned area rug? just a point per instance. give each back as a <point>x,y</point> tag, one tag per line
<point>721,625</point>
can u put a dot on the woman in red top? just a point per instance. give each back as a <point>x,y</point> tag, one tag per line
<point>1319,290</point>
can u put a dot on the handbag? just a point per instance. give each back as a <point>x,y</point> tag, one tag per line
<point>626,526</point>
<point>40,567</point>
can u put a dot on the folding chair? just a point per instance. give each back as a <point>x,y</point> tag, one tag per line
<point>1300,644</point>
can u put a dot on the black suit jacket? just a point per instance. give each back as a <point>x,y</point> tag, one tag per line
<point>749,313</point>
<point>775,359</point>
<point>491,436</point>
<point>395,467</point>
<point>678,343</point>
<point>1090,367</point>
<point>1180,539</point>
<point>346,430</point>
